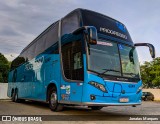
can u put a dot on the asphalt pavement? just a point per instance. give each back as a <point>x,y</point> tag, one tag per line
<point>79,114</point>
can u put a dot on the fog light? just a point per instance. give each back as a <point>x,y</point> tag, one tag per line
<point>92,97</point>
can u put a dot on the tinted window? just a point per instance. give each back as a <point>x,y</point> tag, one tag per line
<point>17,62</point>
<point>70,23</point>
<point>31,52</point>
<point>105,24</point>
<point>40,45</point>
<point>52,36</point>
<point>42,42</point>
<point>24,55</point>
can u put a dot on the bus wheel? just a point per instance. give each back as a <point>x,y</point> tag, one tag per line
<point>145,99</point>
<point>16,97</point>
<point>96,107</point>
<point>53,101</point>
<point>13,96</point>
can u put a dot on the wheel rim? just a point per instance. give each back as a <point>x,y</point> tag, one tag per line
<point>53,99</point>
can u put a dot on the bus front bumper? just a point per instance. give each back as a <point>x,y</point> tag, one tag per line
<point>98,104</point>
<point>110,104</point>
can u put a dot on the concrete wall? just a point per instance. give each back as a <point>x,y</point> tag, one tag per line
<point>3,91</point>
<point>155,92</point>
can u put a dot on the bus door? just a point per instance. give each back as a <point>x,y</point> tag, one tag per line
<point>72,69</point>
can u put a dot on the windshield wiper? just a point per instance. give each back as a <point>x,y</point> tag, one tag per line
<point>106,70</point>
<point>131,74</point>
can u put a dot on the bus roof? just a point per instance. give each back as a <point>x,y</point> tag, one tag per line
<point>104,24</point>
<point>82,17</point>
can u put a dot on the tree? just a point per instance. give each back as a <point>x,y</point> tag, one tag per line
<point>150,73</point>
<point>4,68</point>
<point>1,78</point>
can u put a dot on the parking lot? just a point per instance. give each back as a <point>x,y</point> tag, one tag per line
<point>8,107</point>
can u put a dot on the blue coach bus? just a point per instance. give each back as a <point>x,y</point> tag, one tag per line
<point>85,58</point>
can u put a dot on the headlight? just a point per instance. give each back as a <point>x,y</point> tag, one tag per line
<point>139,89</point>
<point>98,86</point>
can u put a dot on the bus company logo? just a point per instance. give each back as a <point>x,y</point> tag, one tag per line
<point>122,79</point>
<point>121,26</point>
<point>21,118</point>
<point>6,118</point>
<point>112,32</point>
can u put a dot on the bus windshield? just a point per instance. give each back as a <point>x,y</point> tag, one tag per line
<point>111,58</point>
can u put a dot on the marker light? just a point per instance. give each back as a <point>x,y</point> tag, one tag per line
<point>98,86</point>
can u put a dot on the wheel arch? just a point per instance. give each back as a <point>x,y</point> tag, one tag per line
<point>49,87</point>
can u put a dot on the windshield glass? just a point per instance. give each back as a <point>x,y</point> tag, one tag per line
<point>106,58</point>
<point>129,60</point>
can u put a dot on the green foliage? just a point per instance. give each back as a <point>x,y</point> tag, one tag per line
<point>4,68</point>
<point>150,73</point>
<point>1,78</point>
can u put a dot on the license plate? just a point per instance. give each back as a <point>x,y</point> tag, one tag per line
<point>123,100</point>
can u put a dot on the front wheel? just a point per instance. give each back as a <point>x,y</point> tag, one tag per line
<point>53,101</point>
<point>145,99</point>
<point>96,107</point>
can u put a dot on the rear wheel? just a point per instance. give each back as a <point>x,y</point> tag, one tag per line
<point>16,99</point>
<point>53,100</point>
<point>13,96</point>
<point>96,107</point>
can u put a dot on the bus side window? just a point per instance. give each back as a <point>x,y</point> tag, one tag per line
<point>73,61</point>
<point>17,62</point>
<point>14,78</point>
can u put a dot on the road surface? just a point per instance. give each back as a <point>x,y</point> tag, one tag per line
<point>150,108</point>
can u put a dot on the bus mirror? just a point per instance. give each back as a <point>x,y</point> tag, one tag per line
<point>92,35</point>
<point>151,48</point>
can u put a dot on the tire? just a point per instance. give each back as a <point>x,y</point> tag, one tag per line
<point>16,97</point>
<point>13,96</point>
<point>96,107</point>
<point>145,99</point>
<point>53,101</point>
<point>21,100</point>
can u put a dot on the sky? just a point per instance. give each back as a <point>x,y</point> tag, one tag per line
<point>23,20</point>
